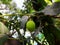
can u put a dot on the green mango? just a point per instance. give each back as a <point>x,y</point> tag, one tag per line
<point>30,25</point>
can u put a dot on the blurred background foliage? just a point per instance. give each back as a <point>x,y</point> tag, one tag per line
<point>13,20</point>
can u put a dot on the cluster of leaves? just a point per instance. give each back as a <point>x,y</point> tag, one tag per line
<point>6,1</point>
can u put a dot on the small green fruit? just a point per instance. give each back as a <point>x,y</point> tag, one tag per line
<point>30,25</point>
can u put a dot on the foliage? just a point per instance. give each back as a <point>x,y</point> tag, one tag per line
<point>47,28</point>
<point>6,1</point>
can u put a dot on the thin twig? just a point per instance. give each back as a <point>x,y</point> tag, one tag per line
<point>30,14</point>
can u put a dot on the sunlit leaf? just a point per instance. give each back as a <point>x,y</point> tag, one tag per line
<point>3,29</point>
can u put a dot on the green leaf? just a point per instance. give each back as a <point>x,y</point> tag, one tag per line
<point>6,1</point>
<point>49,36</point>
<point>56,0</point>
<point>3,29</point>
<point>48,2</point>
<point>39,4</point>
<point>3,39</point>
<point>56,32</point>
